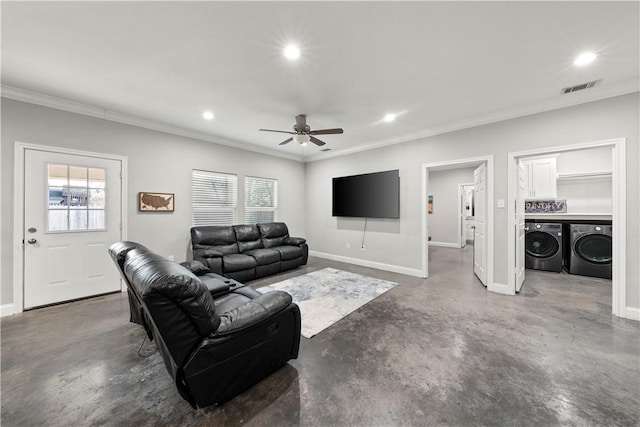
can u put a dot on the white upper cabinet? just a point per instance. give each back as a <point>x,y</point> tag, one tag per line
<point>540,177</point>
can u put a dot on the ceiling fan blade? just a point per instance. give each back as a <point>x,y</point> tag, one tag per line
<point>279,131</point>
<point>316,141</point>
<point>286,141</point>
<point>326,131</point>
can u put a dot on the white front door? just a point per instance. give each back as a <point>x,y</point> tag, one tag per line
<point>480,220</point>
<point>72,215</point>
<point>521,193</point>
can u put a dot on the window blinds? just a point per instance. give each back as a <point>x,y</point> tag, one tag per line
<point>214,198</point>
<point>260,200</point>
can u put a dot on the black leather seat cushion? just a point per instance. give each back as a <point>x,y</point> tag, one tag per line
<point>238,262</point>
<point>289,252</point>
<point>265,256</point>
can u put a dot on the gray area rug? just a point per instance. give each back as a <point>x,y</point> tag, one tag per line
<point>326,296</point>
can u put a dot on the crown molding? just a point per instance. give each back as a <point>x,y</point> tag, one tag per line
<point>49,101</point>
<point>562,101</point>
<point>597,93</point>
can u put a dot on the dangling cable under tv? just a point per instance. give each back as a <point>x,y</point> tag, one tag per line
<point>370,195</point>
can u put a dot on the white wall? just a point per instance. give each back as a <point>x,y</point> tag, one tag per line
<point>398,242</point>
<point>590,195</point>
<point>443,185</point>
<point>158,162</point>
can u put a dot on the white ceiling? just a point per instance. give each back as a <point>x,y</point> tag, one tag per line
<point>439,65</point>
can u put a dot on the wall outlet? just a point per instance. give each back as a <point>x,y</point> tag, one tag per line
<point>348,246</point>
<point>170,257</point>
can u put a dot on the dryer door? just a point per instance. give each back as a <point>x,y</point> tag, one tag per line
<point>541,245</point>
<point>594,248</point>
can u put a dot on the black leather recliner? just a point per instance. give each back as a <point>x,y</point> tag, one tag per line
<point>250,251</point>
<point>213,348</point>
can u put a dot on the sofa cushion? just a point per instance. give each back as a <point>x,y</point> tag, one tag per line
<point>264,256</point>
<point>220,239</point>
<point>248,237</point>
<point>273,233</point>
<point>289,252</point>
<point>237,262</point>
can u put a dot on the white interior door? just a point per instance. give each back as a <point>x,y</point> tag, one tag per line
<point>72,215</point>
<point>480,220</point>
<point>521,194</point>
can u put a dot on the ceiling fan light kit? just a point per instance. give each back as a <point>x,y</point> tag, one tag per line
<point>301,139</point>
<point>302,133</point>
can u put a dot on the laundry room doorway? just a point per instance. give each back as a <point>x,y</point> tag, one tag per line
<point>557,191</point>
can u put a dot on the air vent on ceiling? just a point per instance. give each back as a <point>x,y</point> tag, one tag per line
<point>581,86</point>
<point>326,149</point>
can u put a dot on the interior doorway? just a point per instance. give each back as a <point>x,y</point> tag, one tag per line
<point>483,201</point>
<point>515,215</point>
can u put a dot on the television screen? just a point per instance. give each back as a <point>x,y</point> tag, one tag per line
<point>372,195</point>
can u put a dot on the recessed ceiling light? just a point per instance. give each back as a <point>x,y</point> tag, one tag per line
<point>292,52</point>
<point>389,117</point>
<point>208,115</point>
<point>584,59</point>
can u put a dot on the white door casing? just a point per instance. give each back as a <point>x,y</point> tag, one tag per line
<point>521,193</point>
<point>480,220</point>
<point>65,265</point>
<point>462,241</point>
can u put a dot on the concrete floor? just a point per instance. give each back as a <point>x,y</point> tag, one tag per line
<point>441,351</point>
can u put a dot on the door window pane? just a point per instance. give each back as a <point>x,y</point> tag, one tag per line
<point>96,198</point>
<point>76,198</point>
<point>97,220</point>
<point>58,220</point>
<point>96,178</point>
<point>77,219</point>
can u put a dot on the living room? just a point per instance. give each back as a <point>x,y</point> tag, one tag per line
<point>161,157</point>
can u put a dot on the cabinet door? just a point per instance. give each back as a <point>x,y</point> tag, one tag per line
<point>540,176</point>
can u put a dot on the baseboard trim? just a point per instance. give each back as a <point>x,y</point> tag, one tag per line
<point>444,244</point>
<point>372,264</point>
<point>6,310</point>
<point>500,288</point>
<point>632,313</point>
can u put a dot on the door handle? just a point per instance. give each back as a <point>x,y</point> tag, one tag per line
<point>31,241</point>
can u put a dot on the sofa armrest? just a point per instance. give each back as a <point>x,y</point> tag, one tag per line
<point>253,312</point>
<point>295,241</point>
<point>196,267</point>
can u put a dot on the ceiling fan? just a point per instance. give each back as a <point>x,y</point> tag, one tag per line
<point>302,132</point>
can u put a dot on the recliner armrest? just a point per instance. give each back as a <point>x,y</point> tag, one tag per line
<point>254,311</point>
<point>295,241</point>
<point>196,267</point>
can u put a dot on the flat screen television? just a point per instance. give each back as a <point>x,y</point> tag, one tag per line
<point>371,195</point>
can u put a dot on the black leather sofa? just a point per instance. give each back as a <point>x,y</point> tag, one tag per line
<point>250,251</point>
<point>216,336</point>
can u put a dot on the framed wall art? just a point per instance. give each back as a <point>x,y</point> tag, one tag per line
<point>155,202</point>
